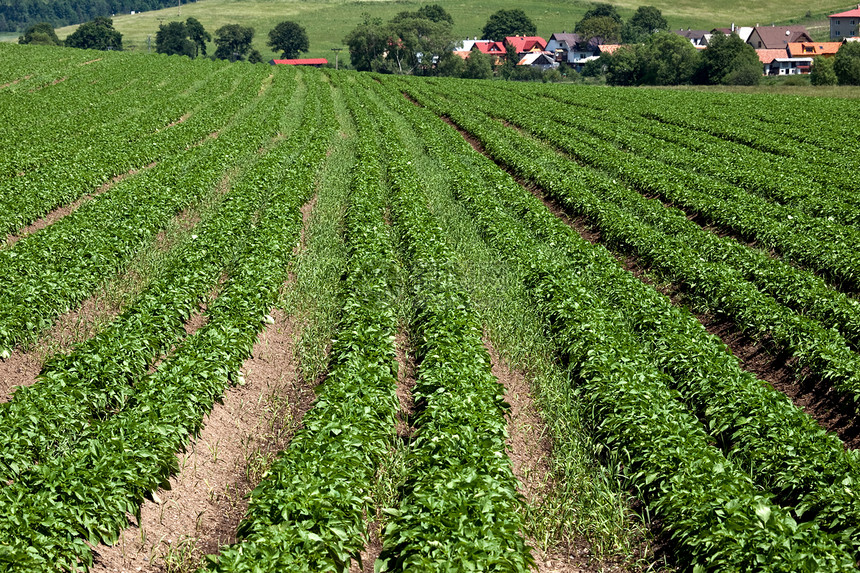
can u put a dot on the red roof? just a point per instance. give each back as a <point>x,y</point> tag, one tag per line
<point>855,13</point>
<point>490,47</point>
<point>526,43</point>
<point>303,62</point>
<point>767,56</point>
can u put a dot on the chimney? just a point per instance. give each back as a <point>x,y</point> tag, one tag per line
<point>733,26</point>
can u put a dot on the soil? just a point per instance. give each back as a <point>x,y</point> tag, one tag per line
<point>530,449</point>
<point>240,439</point>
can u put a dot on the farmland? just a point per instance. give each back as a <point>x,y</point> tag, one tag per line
<point>260,318</point>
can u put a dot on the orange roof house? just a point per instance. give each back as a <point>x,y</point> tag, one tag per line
<point>813,49</point>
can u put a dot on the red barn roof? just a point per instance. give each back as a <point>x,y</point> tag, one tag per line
<point>490,47</point>
<point>302,62</point>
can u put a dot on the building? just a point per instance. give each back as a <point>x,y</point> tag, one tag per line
<point>570,48</point>
<point>313,62</point>
<point>699,38</point>
<point>813,50</point>
<point>844,24</point>
<point>777,37</point>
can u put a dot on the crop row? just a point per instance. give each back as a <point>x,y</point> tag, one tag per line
<point>722,287</point>
<point>309,512</point>
<point>460,507</point>
<point>818,244</point>
<point>85,161</point>
<point>47,273</point>
<point>793,184</point>
<point>54,510</point>
<point>589,332</point>
<point>99,377</point>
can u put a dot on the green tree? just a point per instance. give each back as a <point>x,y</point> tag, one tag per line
<point>846,64</point>
<point>506,23</point>
<point>289,38</point>
<point>479,66</point>
<point>646,21</point>
<point>436,13</point>
<point>415,42</point>
<point>451,65</point>
<point>601,10</point>
<point>604,28</point>
<point>98,34</point>
<point>197,34</point>
<point>512,58</point>
<point>822,73</point>
<point>668,60</point>
<point>624,67</point>
<point>172,39</point>
<point>233,42</point>
<point>41,34</point>
<point>255,57</point>
<point>366,43</point>
<point>729,60</point>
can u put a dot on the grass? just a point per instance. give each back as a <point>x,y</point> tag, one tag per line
<point>328,21</point>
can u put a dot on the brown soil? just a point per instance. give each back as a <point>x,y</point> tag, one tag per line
<point>13,82</point>
<point>530,449</point>
<point>240,439</point>
<point>67,210</point>
<point>90,62</point>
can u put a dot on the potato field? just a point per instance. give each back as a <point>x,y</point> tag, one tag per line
<point>326,284</point>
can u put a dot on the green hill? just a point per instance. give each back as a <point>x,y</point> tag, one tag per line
<point>328,21</point>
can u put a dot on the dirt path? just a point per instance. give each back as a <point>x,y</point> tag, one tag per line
<point>240,438</point>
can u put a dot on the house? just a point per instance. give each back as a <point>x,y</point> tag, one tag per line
<point>314,62</point>
<point>542,60</point>
<point>526,44</point>
<point>812,50</point>
<point>775,37</point>
<point>495,50</point>
<point>743,32</point>
<point>779,62</point>
<point>844,24</point>
<point>699,38</point>
<point>570,48</point>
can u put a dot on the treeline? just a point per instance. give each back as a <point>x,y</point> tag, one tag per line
<point>16,15</point>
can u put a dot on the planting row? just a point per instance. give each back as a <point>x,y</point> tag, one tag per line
<point>574,318</point>
<point>55,510</point>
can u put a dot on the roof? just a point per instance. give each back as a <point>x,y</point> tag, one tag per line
<point>301,62</point>
<point>568,38</point>
<point>490,47</point>
<point>608,48</point>
<point>766,56</point>
<point>536,59</point>
<point>813,48</point>
<point>693,34</point>
<point>526,43</point>
<point>853,13</point>
<point>781,36</point>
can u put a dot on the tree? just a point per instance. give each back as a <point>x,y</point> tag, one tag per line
<point>172,39</point>
<point>479,66</point>
<point>289,38</point>
<point>601,10</point>
<point>604,28</point>
<point>506,23</point>
<point>366,43</point>
<point>451,65</point>
<point>233,41</point>
<point>669,60</point>
<point>255,57</point>
<point>822,73</point>
<point>730,60</point>
<point>646,21</point>
<point>41,34</point>
<point>846,64</point>
<point>435,13</point>
<point>96,35</point>
<point>198,35</point>
<point>512,58</point>
<point>624,66</point>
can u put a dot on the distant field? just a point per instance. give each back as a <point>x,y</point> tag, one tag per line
<point>327,22</point>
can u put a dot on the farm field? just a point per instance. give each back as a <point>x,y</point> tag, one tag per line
<point>259,318</point>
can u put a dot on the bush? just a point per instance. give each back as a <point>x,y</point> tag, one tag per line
<point>846,64</point>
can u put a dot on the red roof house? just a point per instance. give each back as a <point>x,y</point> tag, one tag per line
<point>844,24</point>
<point>526,44</point>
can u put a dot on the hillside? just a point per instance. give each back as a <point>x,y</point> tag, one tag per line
<point>327,22</point>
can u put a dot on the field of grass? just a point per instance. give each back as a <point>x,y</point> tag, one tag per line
<point>328,21</point>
